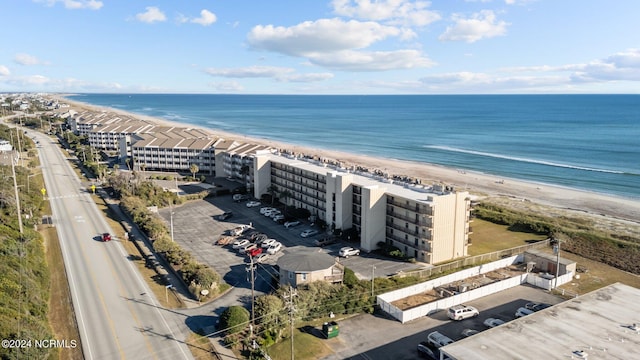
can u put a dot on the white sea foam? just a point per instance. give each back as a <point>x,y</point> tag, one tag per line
<point>528,160</point>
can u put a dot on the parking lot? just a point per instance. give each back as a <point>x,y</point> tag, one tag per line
<point>379,337</point>
<point>196,227</point>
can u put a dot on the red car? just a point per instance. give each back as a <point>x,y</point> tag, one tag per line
<point>106,237</point>
<point>255,251</point>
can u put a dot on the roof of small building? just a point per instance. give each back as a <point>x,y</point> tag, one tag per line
<point>603,324</point>
<point>306,261</point>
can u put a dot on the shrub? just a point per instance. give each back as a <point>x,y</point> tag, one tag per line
<point>234,319</point>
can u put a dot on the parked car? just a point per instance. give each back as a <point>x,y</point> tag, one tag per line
<point>268,242</point>
<point>345,252</point>
<point>461,312</point>
<point>309,232</point>
<point>260,238</point>
<point>275,213</point>
<point>240,243</point>
<point>225,215</point>
<point>536,306</point>
<point>493,322</point>
<point>469,332</point>
<point>261,258</point>
<point>278,217</point>
<point>274,248</point>
<point>437,339</point>
<point>251,204</point>
<point>325,241</point>
<point>523,312</point>
<point>289,224</point>
<point>265,209</point>
<point>106,237</point>
<point>253,252</point>
<point>426,351</point>
<point>249,247</point>
<point>240,198</point>
<point>272,212</point>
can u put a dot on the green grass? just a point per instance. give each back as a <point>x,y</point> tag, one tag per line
<point>306,346</point>
<point>489,237</point>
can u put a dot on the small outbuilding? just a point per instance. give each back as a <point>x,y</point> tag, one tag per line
<point>305,266</point>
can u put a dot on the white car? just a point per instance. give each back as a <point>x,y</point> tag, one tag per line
<point>251,204</point>
<point>265,209</point>
<point>348,251</point>
<point>493,322</point>
<point>289,224</point>
<point>308,232</point>
<point>278,217</point>
<point>266,243</point>
<point>274,248</point>
<point>245,249</point>
<point>240,243</point>
<point>261,258</point>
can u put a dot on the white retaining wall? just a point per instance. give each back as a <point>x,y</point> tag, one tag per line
<point>384,301</point>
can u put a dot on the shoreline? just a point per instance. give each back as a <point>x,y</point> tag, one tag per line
<point>602,206</point>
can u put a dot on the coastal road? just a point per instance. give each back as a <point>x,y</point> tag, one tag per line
<point>118,316</point>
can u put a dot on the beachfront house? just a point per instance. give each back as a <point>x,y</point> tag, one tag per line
<point>428,223</point>
<point>306,266</point>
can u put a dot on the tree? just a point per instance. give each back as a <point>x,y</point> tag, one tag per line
<point>273,191</point>
<point>194,169</point>
<point>284,197</point>
<point>269,311</point>
<point>234,319</point>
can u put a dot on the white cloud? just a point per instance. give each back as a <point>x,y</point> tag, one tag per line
<point>348,60</point>
<point>26,59</point>
<point>249,72</point>
<point>405,12</point>
<point>479,26</point>
<point>4,71</point>
<point>228,86</point>
<point>324,35</point>
<point>206,18</point>
<point>336,44</point>
<point>151,15</point>
<point>283,74</point>
<point>75,4</point>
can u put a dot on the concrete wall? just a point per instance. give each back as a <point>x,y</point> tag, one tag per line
<point>373,217</point>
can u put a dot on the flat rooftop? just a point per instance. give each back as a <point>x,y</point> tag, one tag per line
<point>394,187</point>
<point>599,324</point>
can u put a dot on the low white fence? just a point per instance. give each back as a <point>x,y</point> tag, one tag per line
<point>384,301</point>
<point>460,275</point>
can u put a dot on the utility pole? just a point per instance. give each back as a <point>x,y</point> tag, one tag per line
<point>292,309</point>
<point>556,250</point>
<point>251,269</point>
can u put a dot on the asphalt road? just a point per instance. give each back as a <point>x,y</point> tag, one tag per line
<point>118,316</point>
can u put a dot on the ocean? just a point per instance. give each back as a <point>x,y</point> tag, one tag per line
<point>588,142</point>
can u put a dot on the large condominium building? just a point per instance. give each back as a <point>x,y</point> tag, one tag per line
<point>238,162</point>
<point>429,223</point>
<point>174,149</point>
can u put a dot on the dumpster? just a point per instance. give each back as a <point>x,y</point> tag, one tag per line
<point>330,329</point>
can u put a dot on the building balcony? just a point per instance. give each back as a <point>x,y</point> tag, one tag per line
<point>417,208</point>
<point>409,243</point>
<point>411,220</point>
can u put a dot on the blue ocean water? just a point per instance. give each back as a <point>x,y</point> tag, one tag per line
<point>589,142</point>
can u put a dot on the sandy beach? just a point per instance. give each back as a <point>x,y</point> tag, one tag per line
<point>612,213</point>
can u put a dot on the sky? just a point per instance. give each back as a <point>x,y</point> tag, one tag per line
<point>320,46</point>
